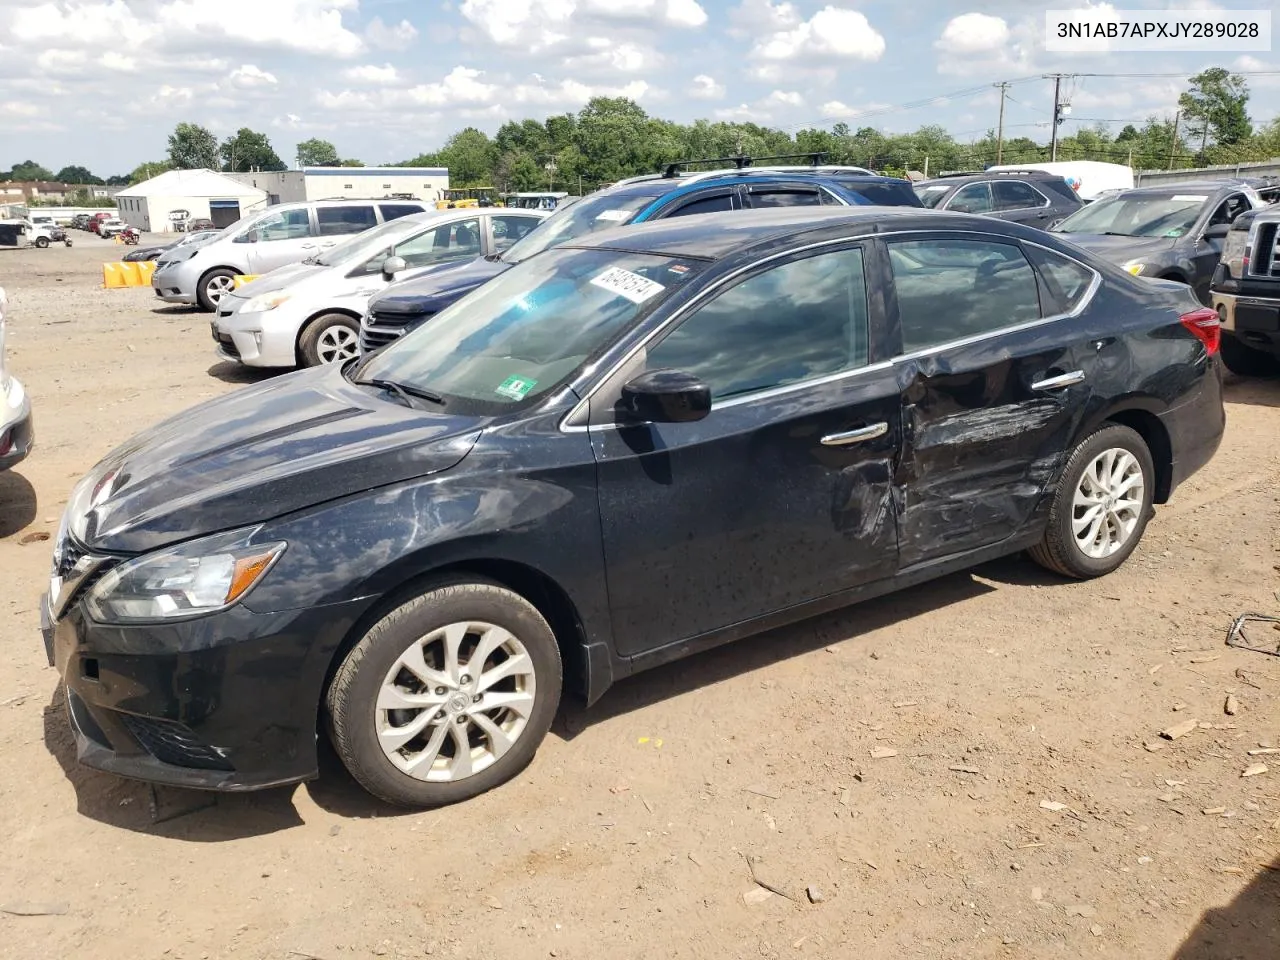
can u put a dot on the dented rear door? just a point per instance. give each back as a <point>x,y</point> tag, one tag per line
<point>992,390</point>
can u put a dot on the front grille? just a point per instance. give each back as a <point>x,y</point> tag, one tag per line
<point>173,743</point>
<point>70,556</point>
<point>1264,261</point>
<point>380,328</point>
<point>372,339</point>
<point>227,344</point>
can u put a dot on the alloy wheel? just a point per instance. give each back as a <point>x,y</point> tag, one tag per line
<point>455,702</point>
<point>1107,505</point>
<point>219,287</point>
<point>337,344</point>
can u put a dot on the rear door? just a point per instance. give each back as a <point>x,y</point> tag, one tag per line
<point>1021,203</point>
<point>335,223</point>
<point>994,385</point>
<point>782,493</point>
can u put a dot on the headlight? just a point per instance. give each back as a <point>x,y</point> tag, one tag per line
<point>264,302</point>
<point>190,580</point>
<point>1233,252</point>
<point>1135,267</point>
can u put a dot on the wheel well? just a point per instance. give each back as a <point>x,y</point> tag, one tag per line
<point>297,343</point>
<point>544,593</point>
<point>1148,426</point>
<point>1176,275</point>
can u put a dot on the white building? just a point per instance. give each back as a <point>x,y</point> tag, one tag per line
<point>162,203</point>
<point>352,183</point>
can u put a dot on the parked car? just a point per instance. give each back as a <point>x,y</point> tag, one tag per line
<point>154,253</point>
<point>196,224</point>
<point>110,227</point>
<point>1246,293</point>
<point>17,435</point>
<point>275,237</point>
<point>546,485</point>
<point>1086,178</point>
<point>96,218</point>
<point>672,193</point>
<point>80,221</point>
<point>1034,197</point>
<point>1174,232</point>
<point>309,313</point>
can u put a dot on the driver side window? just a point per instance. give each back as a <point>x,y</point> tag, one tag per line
<point>285,225</point>
<point>1229,209</point>
<point>972,198</point>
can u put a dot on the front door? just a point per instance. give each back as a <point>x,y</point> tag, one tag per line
<point>1208,250</point>
<point>993,391</point>
<point>281,237</point>
<point>782,493</point>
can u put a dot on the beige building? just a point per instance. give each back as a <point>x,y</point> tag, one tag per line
<point>165,203</point>
<point>351,183</point>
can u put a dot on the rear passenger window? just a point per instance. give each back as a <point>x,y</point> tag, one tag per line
<point>797,321</point>
<point>954,289</point>
<point>785,198</point>
<point>394,211</point>
<point>1064,282</point>
<point>1015,195</point>
<point>335,221</point>
<point>715,203</point>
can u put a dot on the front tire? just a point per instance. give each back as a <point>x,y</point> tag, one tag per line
<point>1101,507</point>
<point>1244,361</point>
<point>214,285</point>
<point>42,242</point>
<point>329,338</point>
<point>447,696</point>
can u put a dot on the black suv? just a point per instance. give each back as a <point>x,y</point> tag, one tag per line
<point>1246,293</point>
<point>1033,197</point>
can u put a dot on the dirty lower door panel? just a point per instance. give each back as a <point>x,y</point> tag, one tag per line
<point>984,434</point>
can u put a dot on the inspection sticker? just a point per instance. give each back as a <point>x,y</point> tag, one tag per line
<point>516,388</point>
<point>1191,197</point>
<point>624,283</point>
<point>616,216</point>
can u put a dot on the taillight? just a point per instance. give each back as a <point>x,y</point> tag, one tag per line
<point>1204,323</point>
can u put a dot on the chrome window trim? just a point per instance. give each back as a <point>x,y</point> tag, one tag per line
<point>582,407</point>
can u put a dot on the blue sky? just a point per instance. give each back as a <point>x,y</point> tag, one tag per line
<point>102,82</point>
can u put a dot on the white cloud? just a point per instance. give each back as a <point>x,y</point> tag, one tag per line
<point>248,76</point>
<point>368,73</point>
<point>832,33</point>
<point>836,108</point>
<point>534,25</point>
<point>755,17</point>
<point>16,108</point>
<point>779,103</point>
<point>118,61</point>
<point>706,88</point>
<point>610,57</point>
<point>972,33</point>
<point>386,37</point>
<point>461,86</point>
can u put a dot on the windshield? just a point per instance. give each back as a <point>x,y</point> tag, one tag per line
<point>529,329</point>
<point>357,245</point>
<point>931,194</point>
<point>586,216</point>
<point>1137,216</point>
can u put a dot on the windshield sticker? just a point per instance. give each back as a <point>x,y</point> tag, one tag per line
<point>626,284</point>
<point>615,216</point>
<point>679,269</point>
<point>943,186</point>
<point>515,388</point>
<point>1191,197</point>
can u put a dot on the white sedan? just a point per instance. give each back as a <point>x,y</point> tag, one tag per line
<point>309,313</point>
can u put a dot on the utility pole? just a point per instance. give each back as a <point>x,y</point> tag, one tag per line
<point>1173,147</point>
<point>1003,85</point>
<point>1057,117</point>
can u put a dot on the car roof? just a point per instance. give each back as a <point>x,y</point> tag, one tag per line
<point>1182,186</point>
<point>659,185</point>
<point>967,177</point>
<point>714,236</point>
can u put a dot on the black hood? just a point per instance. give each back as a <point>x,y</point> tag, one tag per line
<point>268,450</point>
<point>1122,249</point>
<point>432,292</point>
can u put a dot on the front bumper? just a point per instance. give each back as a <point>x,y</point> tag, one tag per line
<point>1254,321</point>
<point>17,429</point>
<point>224,702</point>
<point>175,284</point>
<point>266,339</point>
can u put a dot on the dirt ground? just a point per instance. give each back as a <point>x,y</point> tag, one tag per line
<point>1021,816</point>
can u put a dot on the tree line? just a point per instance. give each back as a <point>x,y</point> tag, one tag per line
<point>614,137</point>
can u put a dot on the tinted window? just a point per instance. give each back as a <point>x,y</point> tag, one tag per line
<point>716,203</point>
<point>887,194</point>
<point>1015,195</point>
<point>507,230</point>
<point>785,198</point>
<point>393,211</point>
<point>335,221</point>
<point>283,225</point>
<point>1064,282</point>
<point>931,194</point>
<point>1230,208</point>
<point>972,198</point>
<point>952,289</point>
<point>586,216</point>
<point>800,320</point>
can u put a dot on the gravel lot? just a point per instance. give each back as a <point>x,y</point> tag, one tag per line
<point>1005,694</point>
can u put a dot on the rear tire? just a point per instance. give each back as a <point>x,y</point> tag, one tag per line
<point>1101,507</point>
<point>468,725</point>
<point>213,286</point>
<point>329,338</point>
<point>1244,361</point>
<point>42,242</point>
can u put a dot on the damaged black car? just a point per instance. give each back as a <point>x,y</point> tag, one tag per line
<point>617,453</point>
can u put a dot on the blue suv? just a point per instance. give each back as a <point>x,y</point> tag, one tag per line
<point>675,192</point>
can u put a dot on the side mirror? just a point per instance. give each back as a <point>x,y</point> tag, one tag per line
<point>664,396</point>
<point>391,266</point>
<point>1217,231</point>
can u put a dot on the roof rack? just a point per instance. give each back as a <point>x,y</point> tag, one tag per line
<point>741,161</point>
<point>989,173</point>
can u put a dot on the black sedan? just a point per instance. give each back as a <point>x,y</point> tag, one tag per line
<point>616,454</point>
<point>1172,232</point>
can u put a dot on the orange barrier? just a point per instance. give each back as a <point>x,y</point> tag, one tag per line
<point>127,274</point>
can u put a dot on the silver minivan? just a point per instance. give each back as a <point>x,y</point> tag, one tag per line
<point>275,237</point>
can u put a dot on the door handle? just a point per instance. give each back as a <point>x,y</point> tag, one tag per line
<point>855,436</point>
<point>1060,381</point>
<point>308,246</point>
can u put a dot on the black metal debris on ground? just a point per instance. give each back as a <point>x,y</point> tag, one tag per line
<point>1264,640</point>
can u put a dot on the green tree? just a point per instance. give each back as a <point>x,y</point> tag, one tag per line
<point>351,162</point>
<point>76,174</point>
<point>29,170</point>
<point>1216,106</point>
<point>119,180</point>
<point>145,171</point>
<point>193,147</point>
<point>249,150</point>
<point>317,153</point>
